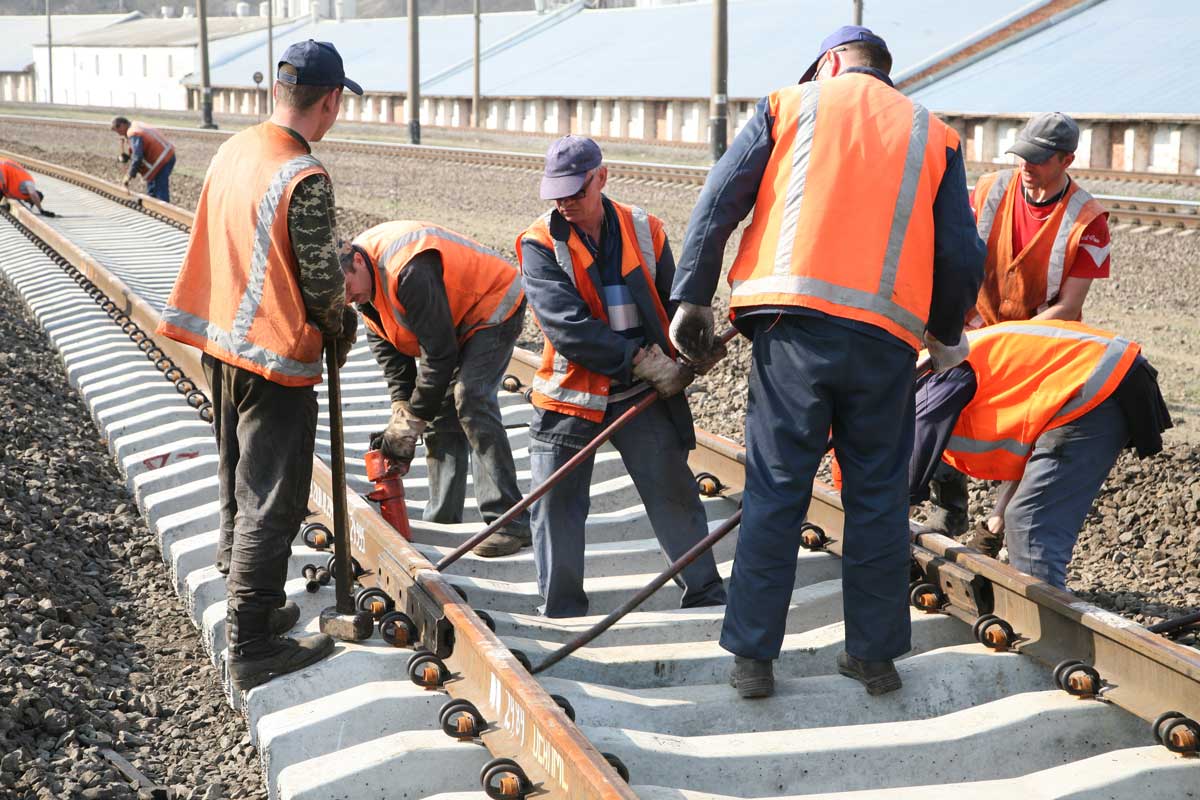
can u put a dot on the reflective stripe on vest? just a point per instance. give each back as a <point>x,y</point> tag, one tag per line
<point>1058,254</point>
<point>992,204</point>
<point>166,148</point>
<point>552,387</point>
<point>645,240</point>
<point>234,341</point>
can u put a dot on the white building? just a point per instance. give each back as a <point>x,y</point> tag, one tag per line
<point>18,81</point>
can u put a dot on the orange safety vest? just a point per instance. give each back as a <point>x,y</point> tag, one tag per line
<point>156,150</point>
<point>843,222</point>
<point>12,175</point>
<point>483,288</point>
<point>1018,286</point>
<point>1032,377</point>
<point>237,297</point>
<point>564,386</point>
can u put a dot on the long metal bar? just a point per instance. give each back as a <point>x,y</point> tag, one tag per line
<point>337,463</point>
<point>271,68</point>
<point>414,74</point>
<point>858,12</point>
<point>49,54</point>
<point>206,104</point>
<point>475,73</point>
<point>719,112</point>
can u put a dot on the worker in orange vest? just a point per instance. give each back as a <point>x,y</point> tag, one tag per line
<point>260,288</point>
<point>17,184</point>
<point>1047,241</point>
<point>597,274</point>
<point>861,249</point>
<point>149,154</point>
<point>1046,405</point>
<point>425,291</point>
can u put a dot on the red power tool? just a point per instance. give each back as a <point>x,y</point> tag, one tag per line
<point>387,476</point>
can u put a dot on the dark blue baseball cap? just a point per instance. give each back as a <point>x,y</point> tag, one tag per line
<point>568,162</point>
<point>317,64</point>
<point>843,35</point>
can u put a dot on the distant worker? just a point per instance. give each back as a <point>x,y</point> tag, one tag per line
<point>149,154</point>
<point>17,184</point>
<point>1047,241</point>
<point>1047,405</point>
<point>861,248</point>
<point>428,292</point>
<point>259,288</point>
<point>598,274</point>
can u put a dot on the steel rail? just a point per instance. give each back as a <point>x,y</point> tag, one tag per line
<point>1145,674</point>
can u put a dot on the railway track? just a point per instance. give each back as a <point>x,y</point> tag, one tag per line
<point>1136,211</point>
<point>981,713</point>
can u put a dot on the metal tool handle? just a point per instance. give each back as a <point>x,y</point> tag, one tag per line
<point>337,463</point>
<point>649,399</point>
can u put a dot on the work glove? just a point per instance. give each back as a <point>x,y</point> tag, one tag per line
<point>943,357</point>
<point>47,213</point>
<point>665,374</point>
<point>345,342</point>
<point>400,437</point>
<point>123,158</point>
<point>692,334</point>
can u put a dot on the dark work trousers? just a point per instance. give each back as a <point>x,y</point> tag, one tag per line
<point>470,429</point>
<point>809,375</point>
<point>265,434</point>
<point>159,187</point>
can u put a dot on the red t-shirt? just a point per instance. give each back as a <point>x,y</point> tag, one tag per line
<point>1092,257</point>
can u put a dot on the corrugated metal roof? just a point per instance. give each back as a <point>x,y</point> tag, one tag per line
<point>164,32</point>
<point>632,52</point>
<point>1119,57</point>
<point>20,33</point>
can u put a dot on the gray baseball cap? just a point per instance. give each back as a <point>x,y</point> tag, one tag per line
<point>1044,135</point>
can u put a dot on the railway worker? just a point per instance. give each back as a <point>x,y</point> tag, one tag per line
<point>149,154</point>
<point>260,285</point>
<point>17,184</point>
<point>427,291</point>
<point>598,274</point>
<point>861,247</point>
<point>1047,241</point>
<point>1047,405</point>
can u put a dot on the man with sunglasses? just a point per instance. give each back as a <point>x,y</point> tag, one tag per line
<point>597,275</point>
<point>861,251</point>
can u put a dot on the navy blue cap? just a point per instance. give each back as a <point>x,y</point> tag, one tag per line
<point>568,162</point>
<point>317,64</point>
<point>843,35</point>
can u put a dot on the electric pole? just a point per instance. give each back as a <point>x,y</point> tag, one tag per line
<point>858,12</point>
<point>475,90</point>
<point>719,107</point>
<point>271,68</point>
<point>206,119</point>
<point>414,76</point>
<point>49,54</point>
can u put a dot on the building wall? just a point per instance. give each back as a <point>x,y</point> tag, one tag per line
<point>17,87</point>
<point>128,77</point>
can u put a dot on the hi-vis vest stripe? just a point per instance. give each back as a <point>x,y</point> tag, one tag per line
<point>553,388</point>
<point>235,341</point>
<point>165,148</point>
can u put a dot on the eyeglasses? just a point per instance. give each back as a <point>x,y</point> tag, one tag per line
<point>582,189</point>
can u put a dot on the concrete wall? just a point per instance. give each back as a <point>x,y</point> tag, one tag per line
<point>129,77</point>
<point>17,87</point>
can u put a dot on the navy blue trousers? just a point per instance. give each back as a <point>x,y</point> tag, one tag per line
<point>810,375</point>
<point>159,187</point>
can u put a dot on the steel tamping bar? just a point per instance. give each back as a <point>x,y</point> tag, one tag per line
<point>588,450</point>
<point>676,567</point>
<point>1171,625</point>
<point>337,463</point>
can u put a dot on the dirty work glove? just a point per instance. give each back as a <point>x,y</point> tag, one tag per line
<point>667,376</point>
<point>692,333</point>
<point>944,356</point>
<point>400,437</point>
<point>349,335</point>
<point>123,158</point>
<point>47,213</point>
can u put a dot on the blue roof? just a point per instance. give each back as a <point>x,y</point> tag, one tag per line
<point>1117,57</point>
<point>21,32</point>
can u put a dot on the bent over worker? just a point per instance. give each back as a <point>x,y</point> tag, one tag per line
<point>1047,240</point>
<point>861,247</point>
<point>597,274</point>
<point>259,289</point>
<point>1047,405</point>
<point>149,154</point>
<point>17,184</point>
<point>427,291</point>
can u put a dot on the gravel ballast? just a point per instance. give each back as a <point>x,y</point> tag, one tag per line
<point>96,651</point>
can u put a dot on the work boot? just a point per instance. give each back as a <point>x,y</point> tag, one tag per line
<point>948,493</point>
<point>283,619</point>
<point>503,544</point>
<point>752,677</point>
<point>983,539</point>
<point>880,677</point>
<point>256,655</point>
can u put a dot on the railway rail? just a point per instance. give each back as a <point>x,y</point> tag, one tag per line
<point>1013,688</point>
<point>1137,211</point>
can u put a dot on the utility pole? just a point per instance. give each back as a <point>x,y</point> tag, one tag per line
<point>858,12</point>
<point>719,107</point>
<point>414,76</point>
<point>475,91</point>
<point>49,54</point>
<point>206,120</point>
<point>271,68</point>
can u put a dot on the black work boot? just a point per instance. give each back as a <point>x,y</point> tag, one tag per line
<point>948,493</point>
<point>752,677</point>
<point>984,540</point>
<point>256,655</point>
<point>284,619</point>
<point>880,677</point>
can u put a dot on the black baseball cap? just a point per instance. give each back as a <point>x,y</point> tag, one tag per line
<point>1044,135</point>
<point>317,64</point>
<point>843,35</point>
